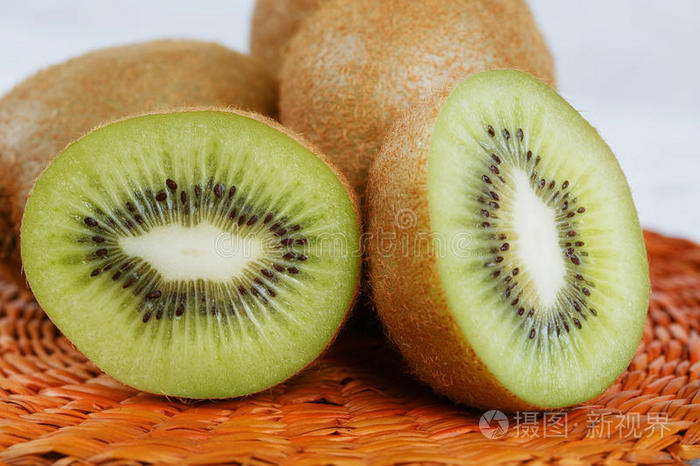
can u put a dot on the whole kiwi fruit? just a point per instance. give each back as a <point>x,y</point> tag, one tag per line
<point>506,258</point>
<point>274,23</point>
<point>41,115</point>
<point>354,66</point>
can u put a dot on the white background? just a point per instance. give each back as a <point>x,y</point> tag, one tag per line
<point>632,67</point>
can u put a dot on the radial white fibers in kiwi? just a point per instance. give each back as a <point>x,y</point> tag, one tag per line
<point>537,287</point>
<point>197,254</point>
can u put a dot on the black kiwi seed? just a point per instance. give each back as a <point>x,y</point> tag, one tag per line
<point>219,190</point>
<point>491,131</point>
<point>171,184</point>
<point>521,135</point>
<point>161,196</point>
<point>98,239</point>
<point>506,134</point>
<point>91,222</point>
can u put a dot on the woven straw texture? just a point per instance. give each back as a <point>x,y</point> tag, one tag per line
<point>355,406</point>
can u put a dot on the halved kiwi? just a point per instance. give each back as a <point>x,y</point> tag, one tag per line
<point>507,260</point>
<point>198,254</point>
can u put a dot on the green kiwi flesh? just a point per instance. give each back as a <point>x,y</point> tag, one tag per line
<point>200,254</point>
<point>551,288</point>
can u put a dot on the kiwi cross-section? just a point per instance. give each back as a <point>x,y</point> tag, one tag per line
<point>521,279</point>
<point>199,254</point>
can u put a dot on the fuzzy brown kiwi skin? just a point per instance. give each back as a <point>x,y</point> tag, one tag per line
<point>344,182</point>
<point>43,114</point>
<point>415,313</point>
<point>274,23</point>
<point>353,67</point>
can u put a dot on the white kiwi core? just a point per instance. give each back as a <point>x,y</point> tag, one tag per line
<point>203,251</point>
<point>538,250</point>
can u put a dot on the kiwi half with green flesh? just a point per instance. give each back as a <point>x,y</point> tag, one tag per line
<point>274,23</point>
<point>354,67</point>
<point>506,257</point>
<point>198,254</point>
<point>43,114</point>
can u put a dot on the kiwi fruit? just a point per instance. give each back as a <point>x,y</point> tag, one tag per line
<point>40,116</point>
<point>274,23</point>
<point>199,254</point>
<point>354,67</point>
<point>506,258</point>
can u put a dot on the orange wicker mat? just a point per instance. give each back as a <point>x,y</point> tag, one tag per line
<point>355,406</point>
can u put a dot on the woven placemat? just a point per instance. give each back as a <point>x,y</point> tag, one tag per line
<point>355,406</point>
